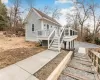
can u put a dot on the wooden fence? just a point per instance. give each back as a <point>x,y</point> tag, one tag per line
<point>95,57</point>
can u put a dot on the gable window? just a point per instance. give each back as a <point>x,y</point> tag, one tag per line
<point>47,26</point>
<point>32,27</point>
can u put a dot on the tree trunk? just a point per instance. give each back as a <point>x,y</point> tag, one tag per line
<point>94,31</point>
<point>81,32</point>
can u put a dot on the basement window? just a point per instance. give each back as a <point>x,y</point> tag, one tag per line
<point>32,27</point>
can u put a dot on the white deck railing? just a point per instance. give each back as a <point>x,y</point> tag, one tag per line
<point>70,32</point>
<point>43,33</point>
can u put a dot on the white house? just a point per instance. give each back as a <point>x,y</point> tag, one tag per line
<point>37,21</point>
<point>41,27</point>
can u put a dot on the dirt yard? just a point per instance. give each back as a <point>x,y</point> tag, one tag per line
<point>16,49</point>
<point>7,43</point>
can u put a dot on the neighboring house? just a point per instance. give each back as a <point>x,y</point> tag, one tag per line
<point>41,27</point>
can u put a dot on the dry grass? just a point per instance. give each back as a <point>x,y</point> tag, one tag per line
<point>14,55</point>
<point>95,49</point>
<point>7,43</point>
<point>16,49</point>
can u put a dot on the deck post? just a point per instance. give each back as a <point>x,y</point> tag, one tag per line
<point>65,45</point>
<point>69,45</point>
<point>69,31</point>
<point>73,44</point>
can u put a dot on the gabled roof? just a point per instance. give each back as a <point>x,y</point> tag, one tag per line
<point>44,16</point>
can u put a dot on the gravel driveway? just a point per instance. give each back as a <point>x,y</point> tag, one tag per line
<point>85,45</point>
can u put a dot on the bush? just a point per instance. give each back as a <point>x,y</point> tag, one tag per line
<point>38,44</point>
<point>88,38</point>
<point>15,31</point>
<point>97,41</point>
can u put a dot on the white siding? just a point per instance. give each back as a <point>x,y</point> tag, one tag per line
<point>33,18</point>
<point>51,24</point>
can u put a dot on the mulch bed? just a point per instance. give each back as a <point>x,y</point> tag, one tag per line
<point>14,55</point>
<point>45,71</point>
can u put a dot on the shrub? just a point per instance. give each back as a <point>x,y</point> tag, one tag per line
<point>38,44</point>
<point>88,38</point>
<point>97,41</point>
<point>14,31</point>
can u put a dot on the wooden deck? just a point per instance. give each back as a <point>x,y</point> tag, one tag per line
<point>80,68</point>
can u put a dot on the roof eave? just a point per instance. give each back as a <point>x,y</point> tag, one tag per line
<point>50,21</point>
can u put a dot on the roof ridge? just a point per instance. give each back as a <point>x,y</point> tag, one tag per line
<point>47,16</point>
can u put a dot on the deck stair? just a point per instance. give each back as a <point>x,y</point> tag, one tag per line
<point>54,42</point>
<point>55,45</point>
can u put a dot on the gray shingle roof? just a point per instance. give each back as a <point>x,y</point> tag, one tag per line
<point>46,16</point>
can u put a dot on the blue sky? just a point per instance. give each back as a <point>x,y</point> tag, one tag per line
<point>40,4</point>
<point>64,5</point>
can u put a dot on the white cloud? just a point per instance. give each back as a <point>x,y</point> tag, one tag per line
<point>64,12</point>
<point>70,10</point>
<point>4,1</point>
<point>63,1</point>
<point>62,20</point>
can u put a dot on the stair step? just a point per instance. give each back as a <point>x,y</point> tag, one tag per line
<point>55,41</point>
<point>55,44</point>
<point>52,48</point>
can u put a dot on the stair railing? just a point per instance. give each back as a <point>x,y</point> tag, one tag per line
<point>51,38</point>
<point>61,38</point>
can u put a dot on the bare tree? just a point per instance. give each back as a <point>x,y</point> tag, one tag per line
<point>82,13</point>
<point>15,12</point>
<point>10,13</point>
<point>96,20</point>
<point>72,19</point>
<point>46,10</point>
<point>53,12</point>
<point>97,28</point>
